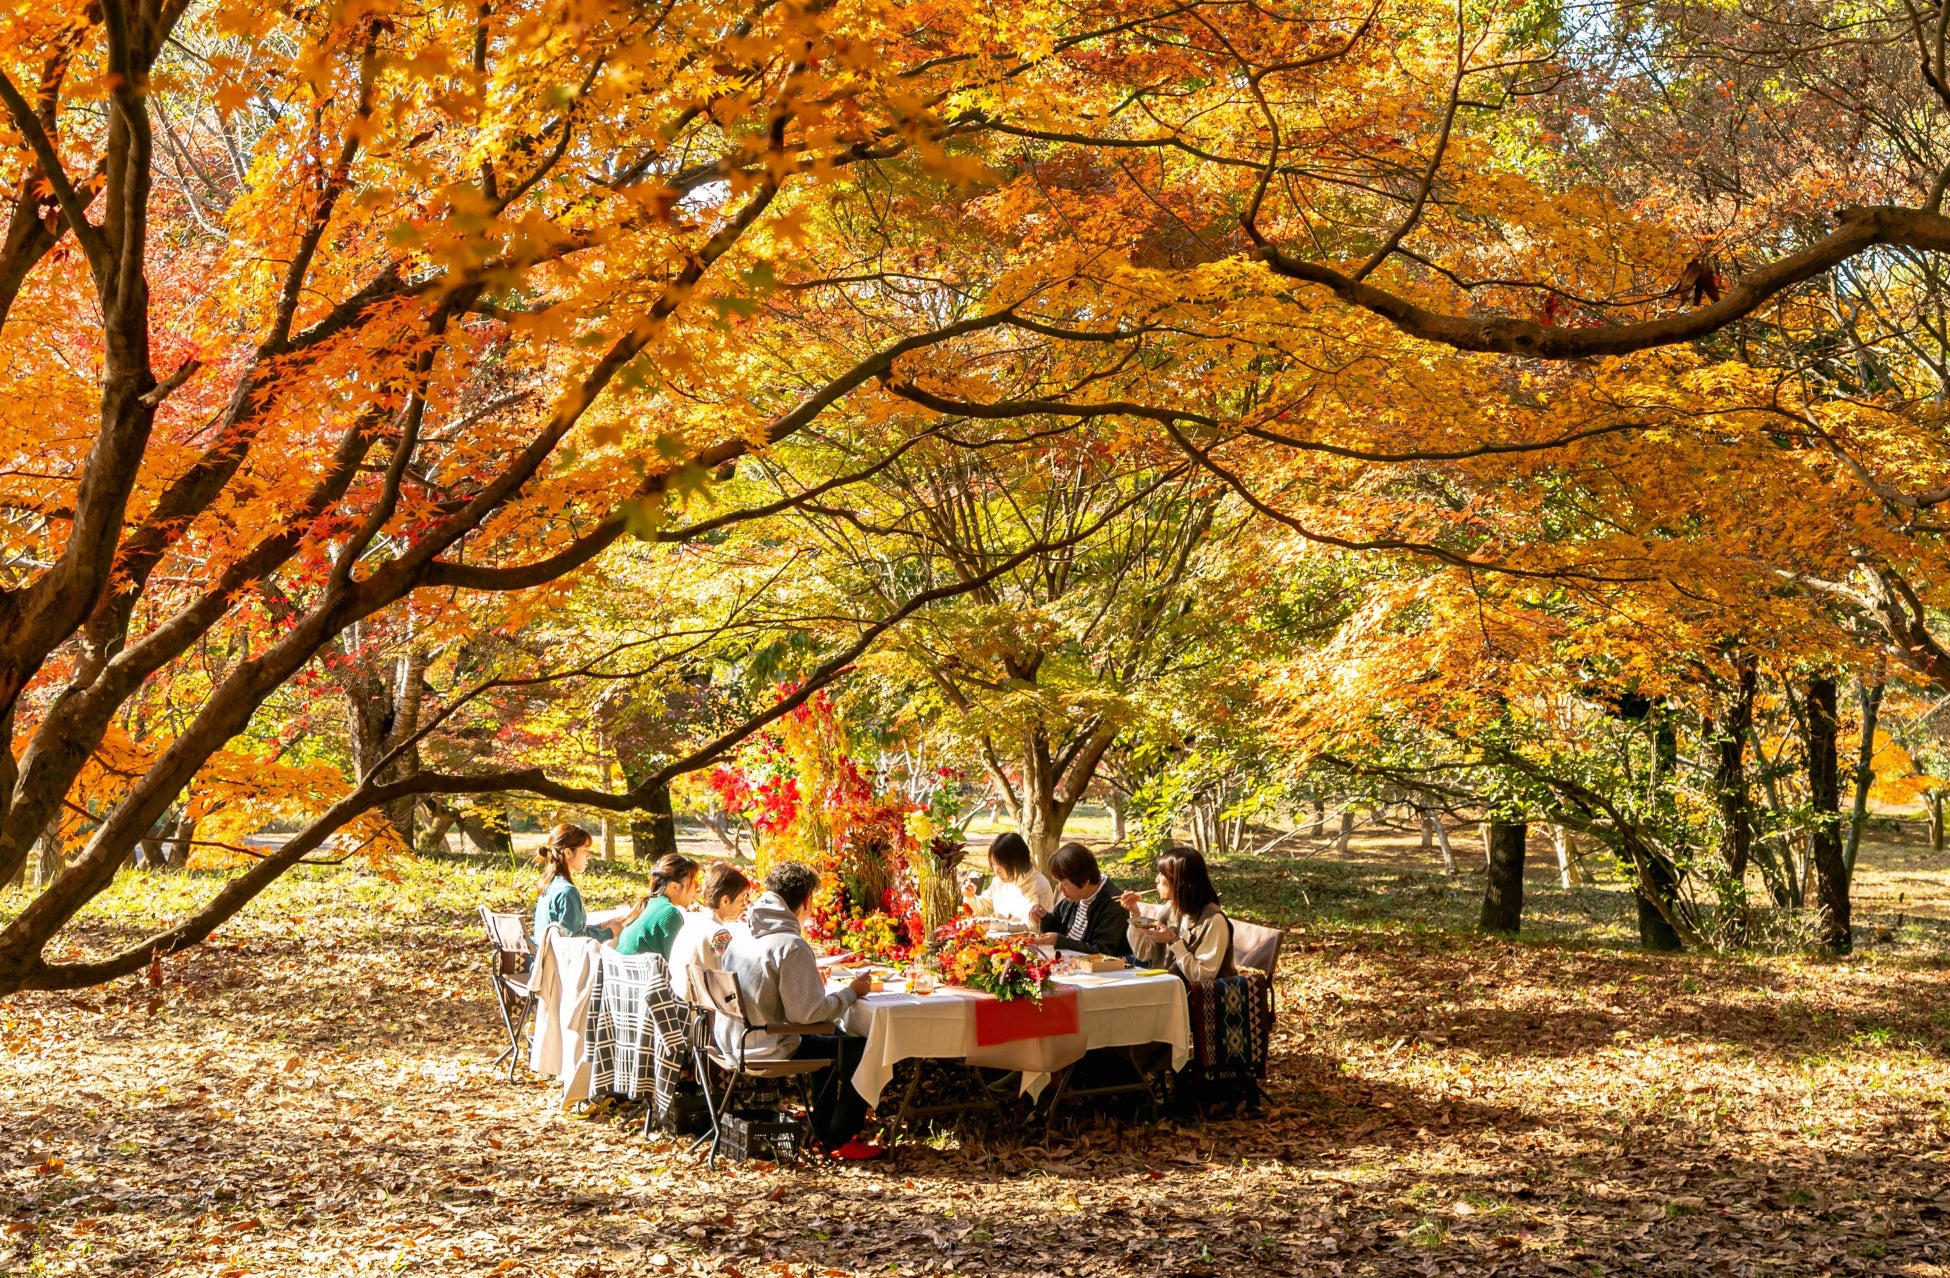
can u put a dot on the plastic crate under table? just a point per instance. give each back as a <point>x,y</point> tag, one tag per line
<point>762,1133</point>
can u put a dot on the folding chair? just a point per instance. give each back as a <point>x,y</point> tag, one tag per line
<point>719,992</point>
<point>1255,945</point>
<point>510,975</point>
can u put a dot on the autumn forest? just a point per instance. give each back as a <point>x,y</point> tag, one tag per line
<point>1470,471</point>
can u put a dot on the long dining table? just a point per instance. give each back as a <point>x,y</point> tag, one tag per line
<point>1111,1009</point>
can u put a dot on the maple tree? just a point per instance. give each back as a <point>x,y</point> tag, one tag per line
<point>1037,672</point>
<point>1701,420</point>
<point>341,335</point>
<point>348,321</point>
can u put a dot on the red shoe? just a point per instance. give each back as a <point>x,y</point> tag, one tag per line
<point>857,1151</point>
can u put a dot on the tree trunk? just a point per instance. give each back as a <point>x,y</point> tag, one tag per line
<point>487,831</point>
<point>1933,802</point>
<point>609,818</point>
<point>1781,875</point>
<point>1428,828</point>
<point>1503,883</point>
<point>1730,773</point>
<point>653,830</point>
<point>1448,853</point>
<point>158,849</point>
<point>1319,825</point>
<point>444,819</point>
<point>1561,844</point>
<point>47,860</point>
<point>382,709</point>
<point>1825,843</point>
<point>1655,932</point>
<point>1052,783</point>
<point>181,839</point>
<point>1347,830</point>
<point>718,822</point>
<point>1116,817</point>
<point>1865,773</point>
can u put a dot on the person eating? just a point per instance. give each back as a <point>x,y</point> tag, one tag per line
<point>779,982</point>
<point>1017,888</point>
<point>1192,938</point>
<point>1088,917</point>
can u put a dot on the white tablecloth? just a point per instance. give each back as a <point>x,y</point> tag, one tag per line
<point>1113,1010</point>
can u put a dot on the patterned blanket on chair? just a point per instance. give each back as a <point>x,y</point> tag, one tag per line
<point>1232,1023</point>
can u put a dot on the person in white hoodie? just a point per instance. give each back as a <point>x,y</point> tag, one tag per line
<point>779,983</point>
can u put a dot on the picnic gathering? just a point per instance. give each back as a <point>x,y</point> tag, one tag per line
<point>914,639</point>
<point>732,1008</point>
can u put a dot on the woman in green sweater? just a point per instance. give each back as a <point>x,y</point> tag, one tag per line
<point>673,886</point>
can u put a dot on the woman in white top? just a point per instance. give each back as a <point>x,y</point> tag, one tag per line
<point>1018,887</point>
<point>710,928</point>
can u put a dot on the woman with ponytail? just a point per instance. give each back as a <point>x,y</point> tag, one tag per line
<point>564,856</point>
<point>673,886</point>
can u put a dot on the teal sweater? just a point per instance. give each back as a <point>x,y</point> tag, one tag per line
<point>654,930</point>
<point>561,903</point>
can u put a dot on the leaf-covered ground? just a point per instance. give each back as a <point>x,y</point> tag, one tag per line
<point>312,1095</point>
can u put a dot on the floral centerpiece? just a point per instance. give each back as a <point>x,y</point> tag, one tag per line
<point>1008,967</point>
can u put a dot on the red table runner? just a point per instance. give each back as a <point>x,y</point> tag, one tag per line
<point>1012,1020</point>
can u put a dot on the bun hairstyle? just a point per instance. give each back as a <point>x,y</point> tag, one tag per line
<point>562,840</point>
<point>670,868</point>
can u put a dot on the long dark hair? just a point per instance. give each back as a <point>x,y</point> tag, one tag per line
<point>670,868</point>
<point>1010,857</point>
<point>562,840</point>
<point>1185,873</point>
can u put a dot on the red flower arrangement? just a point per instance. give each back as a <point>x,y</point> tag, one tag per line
<point>1008,967</point>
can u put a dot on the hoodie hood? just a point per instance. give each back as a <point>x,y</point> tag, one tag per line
<point>770,916</point>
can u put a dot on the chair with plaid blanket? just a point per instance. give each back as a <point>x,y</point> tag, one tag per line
<point>1232,1031</point>
<point>639,1031</point>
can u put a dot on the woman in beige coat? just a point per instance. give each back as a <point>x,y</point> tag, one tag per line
<point>1189,935</point>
